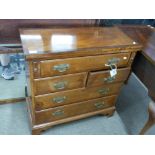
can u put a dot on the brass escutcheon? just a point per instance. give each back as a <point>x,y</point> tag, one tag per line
<point>59,99</point>
<point>61,67</point>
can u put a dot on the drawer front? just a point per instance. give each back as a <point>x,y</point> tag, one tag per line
<point>55,84</point>
<point>74,109</point>
<point>103,77</point>
<point>81,64</point>
<point>73,96</point>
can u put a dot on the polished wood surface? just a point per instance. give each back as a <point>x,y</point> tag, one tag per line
<point>62,112</point>
<point>139,33</point>
<point>9,28</point>
<point>48,42</point>
<point>57,55</point>
<point>103,77</point>
<point>145,35</point>
<point>59,83</point>
<point>77,95</point>
<point>81,64</point>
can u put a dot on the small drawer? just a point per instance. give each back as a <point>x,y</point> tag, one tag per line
<point>76,95</point>
<point>66,111</point>
<point>55,84</point>
<point>50,68</point>
<point>103,77</point>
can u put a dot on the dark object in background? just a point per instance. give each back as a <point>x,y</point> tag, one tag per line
<point>112,22</point>
<point>144,64</point>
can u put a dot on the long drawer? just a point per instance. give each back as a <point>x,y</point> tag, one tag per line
<point>50,68</point>
<point>73,96</point>
<point>74,109</point>
<point>103,77</point>
<point>59,83</point>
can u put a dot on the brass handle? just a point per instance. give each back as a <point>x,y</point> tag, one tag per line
<point>99,105</point>
<point>58,113</point>
<point>61,67</point>
<point>109,79</point>
<point>104,91</point>
<point>113,61</point>
<point>59,99</point>
<point>60,85</point>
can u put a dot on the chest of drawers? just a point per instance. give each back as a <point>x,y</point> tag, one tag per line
<point>68,72</point>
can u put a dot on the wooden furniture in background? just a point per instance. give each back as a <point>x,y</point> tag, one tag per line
<point>144,64</point>
<point>68,72</point>
<point>151,119</point>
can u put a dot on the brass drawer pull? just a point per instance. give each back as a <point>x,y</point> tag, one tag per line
<point>61,67</point>
<point>58,113</point>
<point>109,79</point>
<point>60,85</point>
<point>113,61</point>
<point>59,99</point>
<point>99,105</point>
<point>104,91</point>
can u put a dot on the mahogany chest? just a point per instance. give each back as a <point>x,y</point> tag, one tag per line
<point>73,73</point>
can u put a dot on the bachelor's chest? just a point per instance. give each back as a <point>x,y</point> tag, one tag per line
<point>73,73</point>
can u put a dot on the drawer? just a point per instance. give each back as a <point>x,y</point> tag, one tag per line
<point>81,64</point>
<point>103,77</point>
<point>76,95</point>
<point>74,109</point>
<point>59,83</point>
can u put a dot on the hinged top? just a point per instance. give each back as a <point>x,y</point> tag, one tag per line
<point>39,43</point>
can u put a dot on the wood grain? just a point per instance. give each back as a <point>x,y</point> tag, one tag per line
<point>39,43</point>
<point>145,35</point>
<point>82,64</point>
<point>74,109</point>
<point>101,77</point>
<point>73,96</point>
<point>37,129</point>
<point>59,83</point>
<point>9,28</point>
<point>82,57</point>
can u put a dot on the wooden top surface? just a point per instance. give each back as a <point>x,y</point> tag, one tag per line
<point>63,40</point>
<point>140,33</point>
<point>144,35</point>
<point>9,28</point>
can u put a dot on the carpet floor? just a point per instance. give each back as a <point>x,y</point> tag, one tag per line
<point>12,88</point>
<point>129,118</point>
